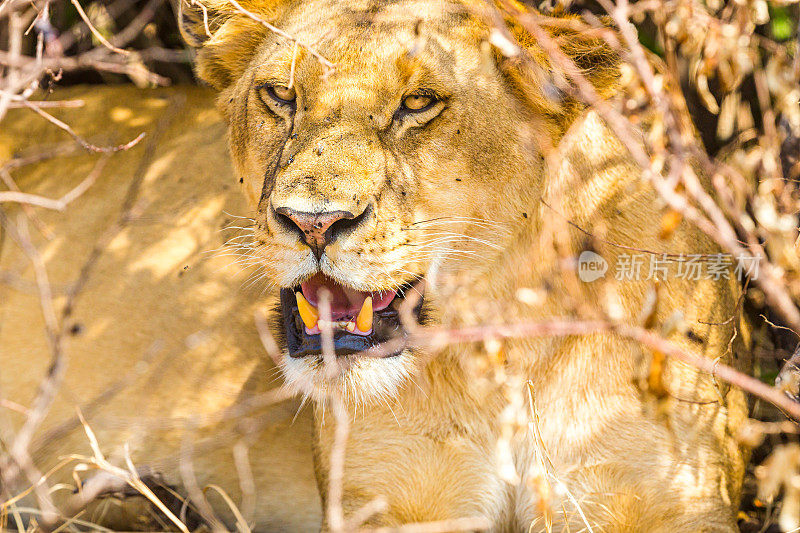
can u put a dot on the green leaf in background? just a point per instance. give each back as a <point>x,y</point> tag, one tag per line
<point>768,377</point>
<point>647,38</point>
<point>781,23</point>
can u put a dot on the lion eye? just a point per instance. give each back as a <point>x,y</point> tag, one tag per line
<point>280,93</point>
<point>418,102</point>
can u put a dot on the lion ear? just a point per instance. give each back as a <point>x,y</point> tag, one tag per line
<point>226,38</point>
<point>598,62</point>
<point>197,21</point>
<point>595,59</point>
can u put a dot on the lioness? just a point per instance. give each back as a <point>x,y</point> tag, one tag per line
<point>389,151</point>
<point>390,144</point>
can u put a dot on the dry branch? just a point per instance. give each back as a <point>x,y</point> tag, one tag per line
<point>61,203</point>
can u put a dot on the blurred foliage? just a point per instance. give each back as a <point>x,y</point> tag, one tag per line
<point>149,27</point>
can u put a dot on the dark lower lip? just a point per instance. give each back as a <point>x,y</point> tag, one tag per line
<point>386,326</point>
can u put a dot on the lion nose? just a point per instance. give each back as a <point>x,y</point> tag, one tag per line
<point>320,229</point>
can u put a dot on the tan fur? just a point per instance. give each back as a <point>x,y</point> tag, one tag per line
<point>425,431</point>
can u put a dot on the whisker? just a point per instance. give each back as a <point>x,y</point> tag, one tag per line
<point>237,216</point>
<point>449,234</point>
<point>302,404</point>
<point>456,219</point>
<point>243,228</point>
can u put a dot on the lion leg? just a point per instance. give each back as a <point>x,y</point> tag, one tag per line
<point>611,499</point>
<point>428,457</point>
<point>419,478</point>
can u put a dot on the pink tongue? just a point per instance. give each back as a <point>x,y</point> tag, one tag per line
<point>345,302</point>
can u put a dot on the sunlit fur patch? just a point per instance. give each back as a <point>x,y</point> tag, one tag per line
<point>366,381</point>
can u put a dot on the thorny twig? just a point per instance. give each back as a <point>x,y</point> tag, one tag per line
<point>80,140</point>
<point>334,512</point>
<point>18,456</point>
<point>274,29</point>
<point>94,31</point>
<point>129,476</point>
<point>433,340</point>
<point>61,203</point>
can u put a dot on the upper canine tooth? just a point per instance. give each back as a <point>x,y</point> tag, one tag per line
<point>364,318</point>
<point>308,312</point>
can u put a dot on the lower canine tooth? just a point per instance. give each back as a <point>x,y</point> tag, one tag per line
<point>364,318</point>
<point>307,311</point>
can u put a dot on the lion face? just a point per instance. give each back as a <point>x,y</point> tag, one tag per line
<point>404,166</point>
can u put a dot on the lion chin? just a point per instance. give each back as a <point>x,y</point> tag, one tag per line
<point>361,381</point>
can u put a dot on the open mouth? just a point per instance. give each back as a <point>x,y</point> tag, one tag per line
<point>360,320</point>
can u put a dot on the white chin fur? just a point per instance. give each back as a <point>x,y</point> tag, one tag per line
<point>366,381</point>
